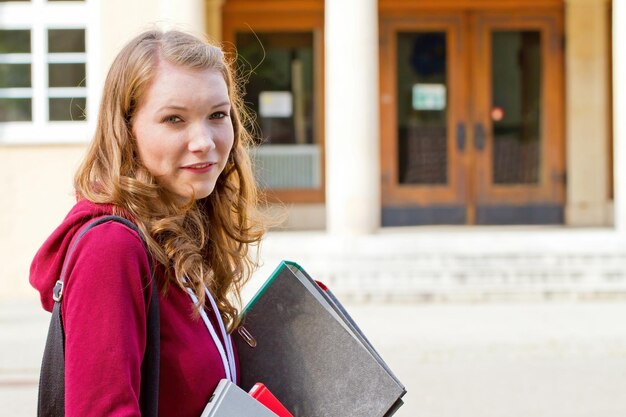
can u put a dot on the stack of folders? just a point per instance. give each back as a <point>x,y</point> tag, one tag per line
<point>228,400</point>
<point>299,341</point>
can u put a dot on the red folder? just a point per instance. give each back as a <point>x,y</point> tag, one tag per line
<point>265,397</point>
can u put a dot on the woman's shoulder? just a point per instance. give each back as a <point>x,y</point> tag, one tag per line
<point>109,236</point>
<point>110,249</point>
<point>63,247</point>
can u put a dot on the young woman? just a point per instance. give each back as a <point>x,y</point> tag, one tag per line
<point>169,154</point>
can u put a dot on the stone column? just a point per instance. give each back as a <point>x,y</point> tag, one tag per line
<point>587,112</point>
<point>619,110</point>
<point>214,19</point>
<point>352,116</point>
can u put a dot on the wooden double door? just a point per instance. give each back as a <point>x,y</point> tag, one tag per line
<point>472,118</point>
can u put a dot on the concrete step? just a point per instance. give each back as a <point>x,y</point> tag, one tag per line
<point>464,264</point>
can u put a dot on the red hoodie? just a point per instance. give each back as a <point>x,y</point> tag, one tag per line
<point>105,298</point>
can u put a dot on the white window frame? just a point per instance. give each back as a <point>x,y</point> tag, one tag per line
<point>38,16</point>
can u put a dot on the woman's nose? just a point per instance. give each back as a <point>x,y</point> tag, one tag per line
<point>202,140</point>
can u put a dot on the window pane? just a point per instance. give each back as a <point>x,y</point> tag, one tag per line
<point>14,41</point>
<point>14,75</point>
<point>66,40</point>
<point>280,89</point>
<point>15,110</point>
<point>516,85</point>
<point>422,108</point>
<point>66,75</point>
<point>67,109</point>
<point>280,92</point>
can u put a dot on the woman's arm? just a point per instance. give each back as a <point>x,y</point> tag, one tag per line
<point>104,310</point>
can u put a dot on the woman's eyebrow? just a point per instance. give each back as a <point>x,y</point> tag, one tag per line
<point>172,107</point>
<point>224,103</point>
<point>181,107</point>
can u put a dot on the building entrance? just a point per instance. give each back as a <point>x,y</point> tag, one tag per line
<point>472,118</point>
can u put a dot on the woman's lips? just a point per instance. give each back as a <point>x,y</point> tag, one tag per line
<point>199,168</point>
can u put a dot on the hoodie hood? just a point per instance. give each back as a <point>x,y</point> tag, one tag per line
<point>46,267</point>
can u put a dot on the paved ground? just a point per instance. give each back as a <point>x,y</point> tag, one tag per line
<point>473,360</point>
<point>504,360</point>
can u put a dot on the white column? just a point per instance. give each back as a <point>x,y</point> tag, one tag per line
<point>619,109</point>
<point>587,81</point>
<point>351,112</point>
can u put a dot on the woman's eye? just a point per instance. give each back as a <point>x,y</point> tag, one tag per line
<point>172,119</point>
<point>219,115</point>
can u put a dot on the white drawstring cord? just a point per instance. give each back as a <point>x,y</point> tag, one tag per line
<point>227,355</point>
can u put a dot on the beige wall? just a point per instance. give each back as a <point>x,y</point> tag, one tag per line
<point>36,189</point>
<point>122,19</point>
<point>587,111</point>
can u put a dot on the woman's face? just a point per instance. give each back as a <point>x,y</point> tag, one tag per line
<point>183,129</point>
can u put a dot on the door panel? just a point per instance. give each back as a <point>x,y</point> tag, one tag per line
<point>472,118</point>
<point>422,117</point>
<point>518,118</point>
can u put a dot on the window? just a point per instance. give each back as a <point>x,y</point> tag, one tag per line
<point>66,74</point>
<point>46,71</point>
<point>280,92</point>
<point>279,52</point>
<point>15,76</point>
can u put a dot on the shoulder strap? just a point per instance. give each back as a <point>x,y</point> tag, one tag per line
<point>51,402</point>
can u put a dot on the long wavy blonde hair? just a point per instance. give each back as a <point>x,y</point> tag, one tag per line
<point>205,242</point>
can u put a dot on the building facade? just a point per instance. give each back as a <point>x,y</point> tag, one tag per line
<point>370,114</point>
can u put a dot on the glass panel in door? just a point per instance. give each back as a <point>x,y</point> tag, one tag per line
<point>516,106</point>
<point>422,115</point>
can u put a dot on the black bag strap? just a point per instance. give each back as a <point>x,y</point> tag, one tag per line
<point>51,402</point>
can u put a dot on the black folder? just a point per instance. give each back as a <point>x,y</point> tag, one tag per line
<point>299,341</point>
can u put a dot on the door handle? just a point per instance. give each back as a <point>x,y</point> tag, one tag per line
<point>479,136</point>
<point>460,136</point>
